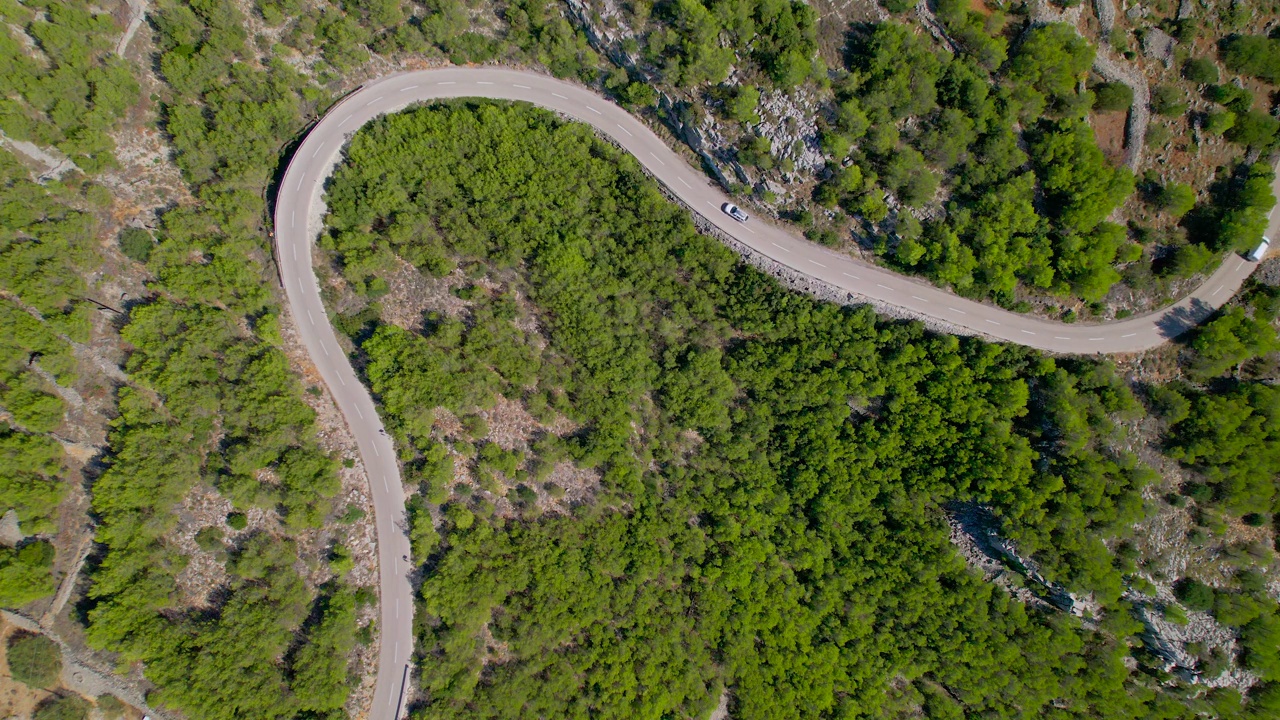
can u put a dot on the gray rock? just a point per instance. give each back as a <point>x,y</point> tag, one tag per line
<point>10,533</point>
<point>1158,44</point>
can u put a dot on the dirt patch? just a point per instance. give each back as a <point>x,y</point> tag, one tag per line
<point>1108,128</point>
<point>412,295</point>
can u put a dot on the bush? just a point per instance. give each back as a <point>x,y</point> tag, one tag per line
<point>1194,594</point>
<point>1238,99</point>
<point>209,539</point>
<point>136,244</point>
<point>1169,101</point>
<point>34,660</point>
<point>1176,199</point>
<point>237,521</point>
<point>110,707</point>
<point>1255,129</point>
<point>1217,123</point>
<point>1201,71</point>
<point>1157,135</point>
<point>1254,519</point>
<point>1254,55</point>
<point>1112,97</point>
<point>64,707</point>
<point>25,573</point>
<point>1175,614</point>
<point>476,427</point>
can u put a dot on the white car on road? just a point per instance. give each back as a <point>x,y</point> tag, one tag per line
<point>734,212</point>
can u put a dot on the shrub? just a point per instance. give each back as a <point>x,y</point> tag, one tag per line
<point>1112,97</point>
<point>1201,71</point>
<point>1176,199</point>
<point>475,426</point>
<point>1194,594</point>
<point>110,707</point>
<point>136,244</point>
<point>1157,135</point>
<point>1217,123</point>
<point>209,539</point>
<point>1169,101</point>
<point>64,707</point>
<point>1254,128</point>
<point>237,521</point>
<point>1254,55</point>
<point>34,660</point>
<point>1175,614</point>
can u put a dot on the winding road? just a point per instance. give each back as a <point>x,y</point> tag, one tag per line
<point>299,210</point>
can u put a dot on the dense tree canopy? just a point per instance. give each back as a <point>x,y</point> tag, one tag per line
<point>794,552</point>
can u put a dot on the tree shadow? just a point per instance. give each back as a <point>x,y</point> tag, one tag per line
<point>1179,320</point>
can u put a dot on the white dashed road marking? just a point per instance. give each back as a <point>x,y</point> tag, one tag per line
<point>655,157</point>
<point>628,132</point>
<point>957,310</point>
<point>917,297</point>
<point>1129,335</point>
<point>682,182</point>
<point>593,110</point>
<point>309,317</point>
<point>855,277</point>
<point>560,96</point>
<point>815,262</point>
<point>993,322</point>
<point>779,246</point>
<point>372,101</point>
<point>1027,332</point>
<point>407,89</point>
<point>522,87</point>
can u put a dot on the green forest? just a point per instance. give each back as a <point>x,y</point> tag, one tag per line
<point>774,470</point>
<point>210,400</point>
<point>1004,127</point>
<point>762,487</point>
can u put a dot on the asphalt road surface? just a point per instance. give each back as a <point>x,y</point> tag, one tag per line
<point>299,208</point>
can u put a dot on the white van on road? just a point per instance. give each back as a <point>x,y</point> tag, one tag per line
<point>1257,253</point>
